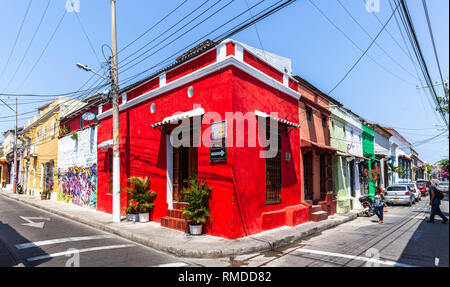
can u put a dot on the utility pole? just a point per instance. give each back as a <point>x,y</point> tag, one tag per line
<point>15,154</point>
<point>115,115</point>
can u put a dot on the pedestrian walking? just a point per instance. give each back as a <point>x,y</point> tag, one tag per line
<point>435,201</point>
<point>384,203</point>
<point>379,204</point>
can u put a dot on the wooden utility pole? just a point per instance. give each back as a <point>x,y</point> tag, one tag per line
<point>15,155</point>
<point>115,115</point>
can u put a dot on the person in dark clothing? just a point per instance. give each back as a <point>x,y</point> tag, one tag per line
<point>435,201</point>
<point>379,204</point>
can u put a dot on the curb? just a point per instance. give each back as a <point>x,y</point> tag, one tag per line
<point>263,246</point>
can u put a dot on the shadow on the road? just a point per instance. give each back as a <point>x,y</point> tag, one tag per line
<point>9,237</point>
<point>429,244</point>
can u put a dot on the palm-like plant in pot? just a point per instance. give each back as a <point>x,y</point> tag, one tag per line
<point>197,212</point>
<point>140,197</point>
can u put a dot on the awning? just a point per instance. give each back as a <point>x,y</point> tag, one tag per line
<point>307,143</point>
<point>106,145</point>
<point>281,121</point>
<point>175,118</point>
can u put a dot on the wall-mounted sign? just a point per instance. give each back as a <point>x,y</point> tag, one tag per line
<point>218,154</point>
<point>88,117</point>
<point>218,130</point>
<point>218,148</point>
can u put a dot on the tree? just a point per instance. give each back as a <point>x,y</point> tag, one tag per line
<point>444,164</point>
<point>443,103</point>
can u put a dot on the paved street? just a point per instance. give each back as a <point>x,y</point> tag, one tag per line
<point>57,243</point>
<point>405,239</point>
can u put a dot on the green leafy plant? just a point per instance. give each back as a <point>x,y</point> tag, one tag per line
<point>196,194</point>
<point>140,196</point>
<point>396,169</point>
<point>46,193</point>
<point>74,136</point>
<point>64,130</point>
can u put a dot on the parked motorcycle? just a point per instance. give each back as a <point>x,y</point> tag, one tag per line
<point>367,203</point>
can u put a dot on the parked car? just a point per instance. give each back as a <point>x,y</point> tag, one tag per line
<point>421,184</point>
<point>443,186</point>
<point>399,194</point>
<point>415,190</point>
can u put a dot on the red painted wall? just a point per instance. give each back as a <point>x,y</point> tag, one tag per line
<point>238,199</point>
<point>74,123</point>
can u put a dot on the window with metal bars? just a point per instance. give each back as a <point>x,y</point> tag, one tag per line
<point>273,174</point>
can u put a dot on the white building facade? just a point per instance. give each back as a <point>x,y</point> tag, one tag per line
<point>355,154</point>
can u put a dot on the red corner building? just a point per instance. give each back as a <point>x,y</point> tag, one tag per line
<point>226,87</point>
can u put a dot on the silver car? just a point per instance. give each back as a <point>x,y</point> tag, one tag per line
<point>399,194</point>
<point>415,190</point>
<point>443,186</point>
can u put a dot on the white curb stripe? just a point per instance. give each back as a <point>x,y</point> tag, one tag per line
<point>79,251</point>
<point>353,257</point>
<point>61,240</point>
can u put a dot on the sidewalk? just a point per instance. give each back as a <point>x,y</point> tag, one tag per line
<point>180,244</point>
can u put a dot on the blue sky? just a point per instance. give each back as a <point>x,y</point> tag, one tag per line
<point>319,52</point>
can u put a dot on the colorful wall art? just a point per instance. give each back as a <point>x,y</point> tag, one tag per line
<point>78,185</point>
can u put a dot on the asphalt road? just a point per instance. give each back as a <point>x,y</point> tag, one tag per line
<point>62,242</point>
<point>404,239</point>
<point>32,237</point>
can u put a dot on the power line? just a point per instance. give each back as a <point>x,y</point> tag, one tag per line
<point>412,61</point>
<point>86,35</point>
<point>365,52</point>
<point>434,44</point>
<point>378,45</point>
<point>166,38</point>
<point>357,46</point>
<point>152,27</point>
<point>407,21</point>
<point>43,51</point>
<point>15,41</point>
<point>29,46</point>
<point>243,25</point>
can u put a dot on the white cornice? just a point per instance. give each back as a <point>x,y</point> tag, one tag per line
<point>228,61</point>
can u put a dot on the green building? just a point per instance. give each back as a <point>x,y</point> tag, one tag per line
<point>338,141</point>
<point>369,152</point>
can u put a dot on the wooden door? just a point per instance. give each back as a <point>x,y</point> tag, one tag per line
<point>308,176</point>
<point>352,178</point>
<point>177,183</point>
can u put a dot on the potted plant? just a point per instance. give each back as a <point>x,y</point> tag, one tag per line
<point>45,194</point>
<point>132,213</point>
<point>141,197</point>
<point>197,212</point>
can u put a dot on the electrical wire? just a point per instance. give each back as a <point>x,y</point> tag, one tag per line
<point>371,38</point>
<point>28,47</point>
<point>15,41</point>
<point>43,51</point>
<point>166,38</point>
<point>243,25</point>
<point>430,29</point>
<point>365,52</point>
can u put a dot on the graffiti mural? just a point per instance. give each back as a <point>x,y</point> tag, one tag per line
<point>78,185</point>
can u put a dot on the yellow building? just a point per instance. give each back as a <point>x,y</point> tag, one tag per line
<point>40,156</point>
